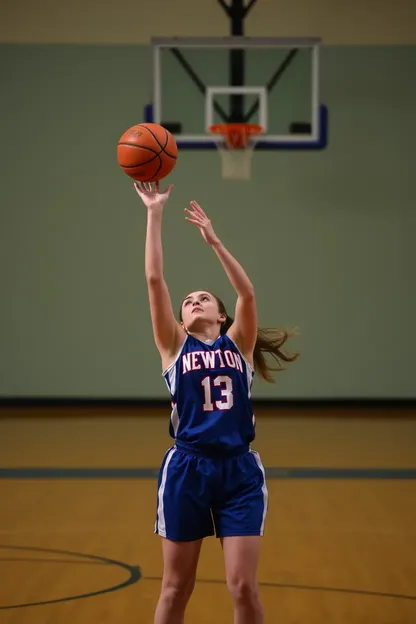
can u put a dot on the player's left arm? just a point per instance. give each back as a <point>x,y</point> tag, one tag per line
<point>244,329</point>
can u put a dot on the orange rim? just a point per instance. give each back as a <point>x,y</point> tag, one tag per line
<point>236,134</point>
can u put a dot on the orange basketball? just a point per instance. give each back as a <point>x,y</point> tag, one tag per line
<point>147,152</point>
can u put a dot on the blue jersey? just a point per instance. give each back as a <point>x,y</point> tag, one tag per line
<point>210,388</point>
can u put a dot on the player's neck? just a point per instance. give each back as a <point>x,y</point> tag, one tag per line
<point>208,335</point>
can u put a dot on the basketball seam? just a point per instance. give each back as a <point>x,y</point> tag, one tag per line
<point>155,137</point>
<point>163,147</point>
<point>149,149</point>
<point>156,154</point>
<point>167,141</point>
<point>155,174</point>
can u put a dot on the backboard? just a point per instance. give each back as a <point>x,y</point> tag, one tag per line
<point>273,82</point>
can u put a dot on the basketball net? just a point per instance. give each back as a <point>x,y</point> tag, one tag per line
<point>236,149</point>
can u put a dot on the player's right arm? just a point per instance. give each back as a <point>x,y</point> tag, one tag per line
<point>168,333</point>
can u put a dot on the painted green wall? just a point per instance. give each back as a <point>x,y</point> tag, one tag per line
<point>327,238</point>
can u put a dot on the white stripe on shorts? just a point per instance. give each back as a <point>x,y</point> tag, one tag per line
<point>160,524</point>
<point>263,489</point>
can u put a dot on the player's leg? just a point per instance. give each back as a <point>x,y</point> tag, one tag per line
<point>183,519</point>
<point>239,518</point>
<point>241,557</point>
<point>180,561</point>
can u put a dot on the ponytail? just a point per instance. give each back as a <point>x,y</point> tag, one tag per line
<point>269,341</point>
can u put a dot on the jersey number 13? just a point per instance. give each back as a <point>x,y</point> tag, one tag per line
<point>226,385</point>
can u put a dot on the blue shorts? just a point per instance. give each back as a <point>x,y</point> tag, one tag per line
<point>200,496</point>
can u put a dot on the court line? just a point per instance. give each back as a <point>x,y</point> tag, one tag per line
<point>321,588</point>
<point>272,472</point>
<point>133,571</point>
<point>135,576</point>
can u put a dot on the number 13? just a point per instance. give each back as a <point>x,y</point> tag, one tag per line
<point>226,391</point>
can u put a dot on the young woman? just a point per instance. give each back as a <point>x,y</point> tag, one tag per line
<point>210,481</point>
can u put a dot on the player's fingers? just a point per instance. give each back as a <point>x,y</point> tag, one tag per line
<point>196,215</point>
<point>193,214</point>
<point>198,208</point>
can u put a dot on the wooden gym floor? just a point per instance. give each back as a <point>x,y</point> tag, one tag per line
<point>77,511</point>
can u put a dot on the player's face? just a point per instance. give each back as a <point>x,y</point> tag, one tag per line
<point>200,308</point>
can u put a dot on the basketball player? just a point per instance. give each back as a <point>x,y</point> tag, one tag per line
<point>211,481</point>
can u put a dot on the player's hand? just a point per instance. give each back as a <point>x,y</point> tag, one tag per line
<point>198,217</point>
<point>151,195</point>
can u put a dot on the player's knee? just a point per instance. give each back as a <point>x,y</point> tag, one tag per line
<point>177,593</point>
<point>243,590</point>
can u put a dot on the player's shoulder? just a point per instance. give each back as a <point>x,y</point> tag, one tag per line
<point>234,346</point>
<point>228,340</point>
<point>170,361</point>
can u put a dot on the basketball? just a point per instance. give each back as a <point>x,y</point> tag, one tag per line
<point>147,152</point>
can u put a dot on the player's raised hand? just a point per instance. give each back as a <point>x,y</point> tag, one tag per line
<point>151,194</point>
<point>198,217</point>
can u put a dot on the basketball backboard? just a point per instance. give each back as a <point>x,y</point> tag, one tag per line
<point>273,82</point>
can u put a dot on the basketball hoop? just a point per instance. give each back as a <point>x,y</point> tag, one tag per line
<point>236,148</point>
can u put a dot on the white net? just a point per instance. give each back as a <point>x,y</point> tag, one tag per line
<point>236,153</point>
<point>236,162</point>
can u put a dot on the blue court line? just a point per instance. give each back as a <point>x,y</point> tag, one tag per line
<point>273,472</point>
